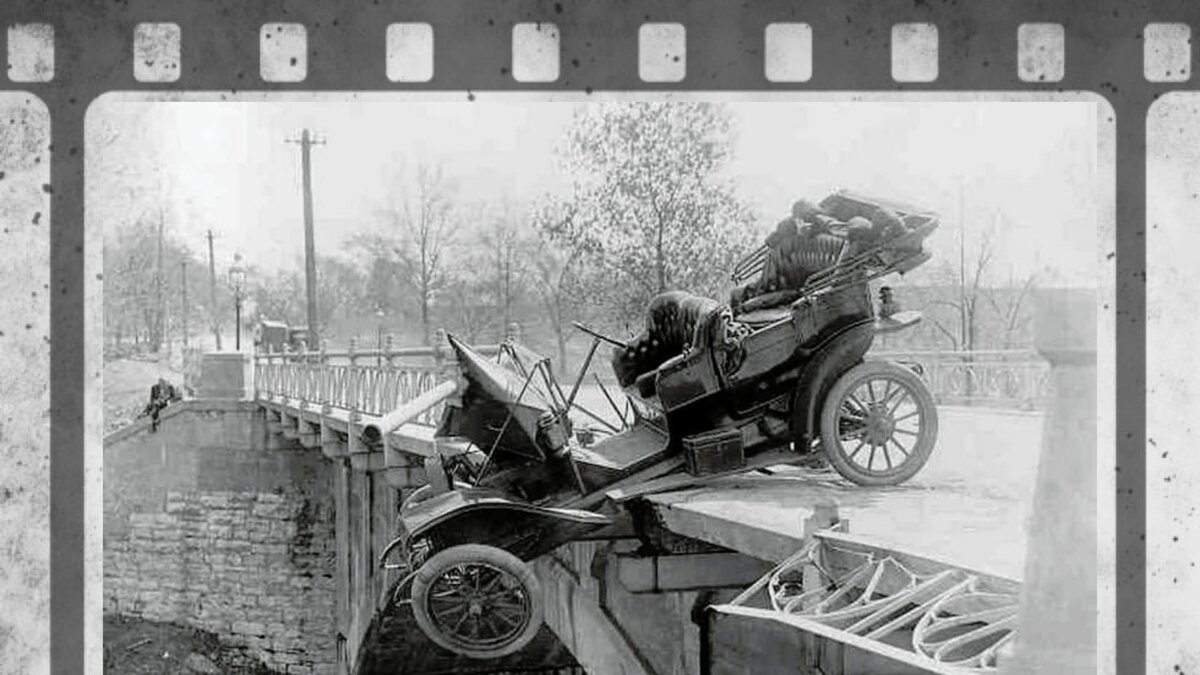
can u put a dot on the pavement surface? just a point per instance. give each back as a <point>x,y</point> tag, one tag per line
<point>969,506</point>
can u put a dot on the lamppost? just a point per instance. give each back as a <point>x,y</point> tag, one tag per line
<point>237,281</point>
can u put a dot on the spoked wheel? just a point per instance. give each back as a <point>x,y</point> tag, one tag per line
<point>878,424</point>
<point>479,601</point>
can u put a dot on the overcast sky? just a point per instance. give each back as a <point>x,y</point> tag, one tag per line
<point>229,168</point>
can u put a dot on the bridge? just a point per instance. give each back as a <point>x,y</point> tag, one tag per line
<point>259,509</point>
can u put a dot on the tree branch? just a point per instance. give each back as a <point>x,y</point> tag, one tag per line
<point>938,324</point>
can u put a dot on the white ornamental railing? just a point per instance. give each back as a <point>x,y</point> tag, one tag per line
<point>372,382</point>
<point>1016,379</point>
<point>375,382</point>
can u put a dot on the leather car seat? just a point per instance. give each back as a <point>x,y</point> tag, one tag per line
<point>671,325</point>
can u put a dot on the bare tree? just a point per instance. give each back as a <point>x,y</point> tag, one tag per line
<point>140,304</point>
<point>128,197</point>
<point>978,302</point>
<point>1008,304</point>
<point>278,296</point>
<point>504,239</point>
<point>340,287</point>
<point>967,280</point>
<point>128,270</point>
<point>559,266</point>
<point>375,254</point>
<point>467,289</point>
<point>423,226</point>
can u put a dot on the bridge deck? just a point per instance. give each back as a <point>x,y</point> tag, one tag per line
<point>968,507</point>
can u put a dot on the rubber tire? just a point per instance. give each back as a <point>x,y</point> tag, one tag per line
<point>831,409</point>
<point>439,562</point>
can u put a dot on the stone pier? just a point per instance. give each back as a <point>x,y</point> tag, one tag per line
<point>204,526</point>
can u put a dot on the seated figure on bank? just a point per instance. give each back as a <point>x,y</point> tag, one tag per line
<point>162,394</point>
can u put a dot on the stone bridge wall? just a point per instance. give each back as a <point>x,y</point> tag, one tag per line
<point>205,526</point>
<point>612,631</point>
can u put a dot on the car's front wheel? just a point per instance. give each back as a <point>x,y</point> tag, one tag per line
<point>478,601</point>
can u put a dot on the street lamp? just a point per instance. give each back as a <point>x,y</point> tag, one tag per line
<point>237,281</point>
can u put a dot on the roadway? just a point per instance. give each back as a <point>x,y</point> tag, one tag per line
<point>968,507</point>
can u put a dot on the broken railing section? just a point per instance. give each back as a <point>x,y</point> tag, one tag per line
<point>855,608</point>
<point>377,430</point>
<point>372,382</point>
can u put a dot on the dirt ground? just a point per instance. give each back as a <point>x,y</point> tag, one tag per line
<point>136,647</point>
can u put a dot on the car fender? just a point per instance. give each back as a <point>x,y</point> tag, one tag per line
<point>822,369</point>
<point>466,515</point>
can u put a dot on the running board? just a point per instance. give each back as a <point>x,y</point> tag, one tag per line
<point>680,481</point>
<point>593,499</point>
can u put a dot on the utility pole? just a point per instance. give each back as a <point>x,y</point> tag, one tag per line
<point>184,306</point>
<point>967,298</point>
<point>212,291</point>
<point>306,142</point>
<point>159,306</point>
<point>962,269</point>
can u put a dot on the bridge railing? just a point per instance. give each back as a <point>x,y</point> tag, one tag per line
<point>1014,379</point>
<point>371,382</point>
<point>375,382</point>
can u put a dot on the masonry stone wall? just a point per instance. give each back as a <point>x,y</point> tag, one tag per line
<point>611,630</point>
<point>205,526</point>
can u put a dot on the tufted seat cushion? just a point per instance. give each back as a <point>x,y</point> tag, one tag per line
<point>793,255</point>
<point>672,320</point>
<point>794,260</point>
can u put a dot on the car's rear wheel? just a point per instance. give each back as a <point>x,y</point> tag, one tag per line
<point>478,601</point>
<point>878,424</point>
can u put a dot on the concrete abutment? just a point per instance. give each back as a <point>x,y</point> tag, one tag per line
<point>205,527</point>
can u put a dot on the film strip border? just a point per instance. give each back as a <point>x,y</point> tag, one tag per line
<point>1130,53</point>
<point>662,48</point>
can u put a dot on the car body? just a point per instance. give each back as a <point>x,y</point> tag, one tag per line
<point>777,375</point>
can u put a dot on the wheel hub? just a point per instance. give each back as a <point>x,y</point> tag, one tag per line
<point>880,425</point>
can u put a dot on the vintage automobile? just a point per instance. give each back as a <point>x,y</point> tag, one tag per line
<point>273,337</point>
<point>777,375</point>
